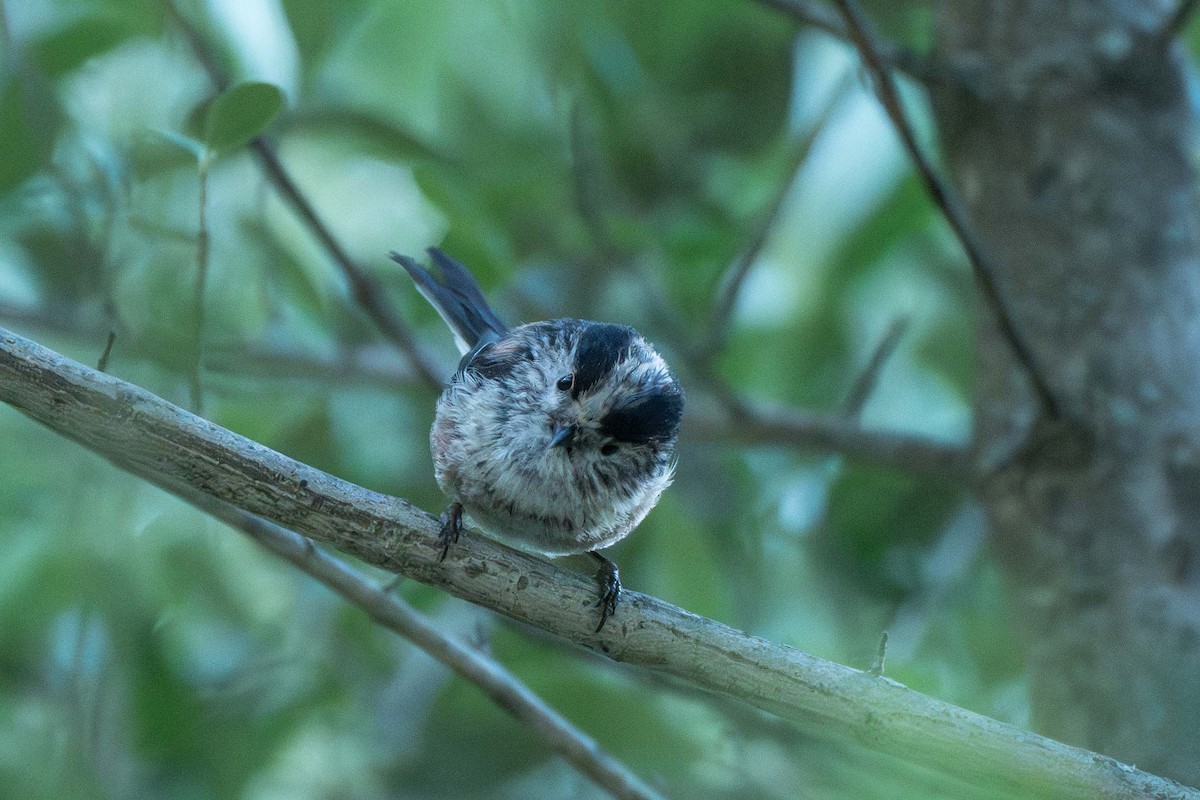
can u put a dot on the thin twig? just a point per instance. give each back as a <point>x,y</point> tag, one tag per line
<point>102,364</point>
<point>730,285</point>
<point>823,18</point>
<point>363,287</point>
<point>1179,20</point>
<point>500,685</point>
<point>946,199</point>
<point>198,306</point>
<point>748,422</point>
<point>168,446</point>
<point>771,426</point>
<point>761,424</point>
<point>369,364</point>
<point>814,15</point>
<point>864,385</point>
<point>880,660</point>
<point>737,419</point>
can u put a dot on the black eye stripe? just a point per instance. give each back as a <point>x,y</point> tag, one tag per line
<point>651,418</point>
<point>600,347</point>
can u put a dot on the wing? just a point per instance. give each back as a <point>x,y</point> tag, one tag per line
<point>458,299</point>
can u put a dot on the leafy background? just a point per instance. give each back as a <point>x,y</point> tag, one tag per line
<point>601,160</point>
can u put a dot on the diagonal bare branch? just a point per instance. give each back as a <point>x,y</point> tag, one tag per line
<point>102,363</point>
<point>823,18</point>
<point>946,199</point>
<point>1179,19</point>
<point>730,285</point>
<point>864,384</point>
<point>178,451</point>
<point>733,418</point>
<point>199,307</point>
<point>363,287</point>
<point>763,424</point>
<point>500,685</point>
<point>814,15</point>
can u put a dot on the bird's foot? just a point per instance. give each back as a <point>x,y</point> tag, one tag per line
<point>609,578</point>
<point>451,527</point>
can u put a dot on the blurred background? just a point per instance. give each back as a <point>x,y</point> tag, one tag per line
<point>616,161</point>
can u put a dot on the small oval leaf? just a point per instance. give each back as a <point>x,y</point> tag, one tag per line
<point>239,114</point>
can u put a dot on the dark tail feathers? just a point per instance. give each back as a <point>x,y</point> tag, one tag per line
<point>457,297</point>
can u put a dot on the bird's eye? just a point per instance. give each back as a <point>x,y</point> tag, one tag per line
<point>608,449</point>
<point>565,383</point>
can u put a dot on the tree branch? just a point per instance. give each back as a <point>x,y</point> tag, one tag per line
<point>199,309</point>
<point>814,15</point>
<point>102,363</point>
<point>370,363</point>
<point>363,287</point>
<point>864,384</point>
<point>741,422</point>
<point>945,197</point>
<point>1179,19</point>
<point>733,279</point>
<point>500,685</point>
<point>823,18</point>
<point>770,424</point>
<point>731,418</point>
<point>172,448</point>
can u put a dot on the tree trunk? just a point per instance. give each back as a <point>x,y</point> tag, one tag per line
<point>1068,130</point>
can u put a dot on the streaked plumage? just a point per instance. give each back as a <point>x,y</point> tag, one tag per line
<point>556,437</point>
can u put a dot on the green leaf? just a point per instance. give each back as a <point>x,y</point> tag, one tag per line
<point>67,49</point>
<point>239,114</point>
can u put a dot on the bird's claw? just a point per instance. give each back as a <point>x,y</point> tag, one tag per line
<point>609,578</point>
<point>451,528</point>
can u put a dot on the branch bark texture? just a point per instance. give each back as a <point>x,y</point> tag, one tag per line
<point>501,686</point>
<point>1073,147</point>
<point>151,438</point>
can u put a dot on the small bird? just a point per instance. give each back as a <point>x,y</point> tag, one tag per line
<point>555,437</point>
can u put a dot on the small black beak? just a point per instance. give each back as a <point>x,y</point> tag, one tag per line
<point>563,433</point>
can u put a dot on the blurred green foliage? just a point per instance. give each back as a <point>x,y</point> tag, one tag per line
<point>604,160</point>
